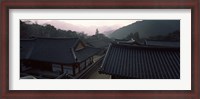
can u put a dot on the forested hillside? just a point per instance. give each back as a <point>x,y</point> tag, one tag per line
<point>150,29</point>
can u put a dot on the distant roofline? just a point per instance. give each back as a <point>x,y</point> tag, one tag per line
<point>144,46</point>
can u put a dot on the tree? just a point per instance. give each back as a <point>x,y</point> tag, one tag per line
<point>23,28</point>
<point>28,30</point>
<point>134,36</point>
<point>97,32</point>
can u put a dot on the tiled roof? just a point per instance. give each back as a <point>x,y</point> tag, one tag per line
<point>58,50</point>
<point>54,50</point>
<point>128,42</point>
<point>142,62</point>
<point>98,43</point>
<point>26,47</point>
<point>85,53</point>
<point>163,43</point>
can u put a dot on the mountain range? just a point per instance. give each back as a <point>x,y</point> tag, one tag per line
<point>90,30</point>
<point>147,28</point>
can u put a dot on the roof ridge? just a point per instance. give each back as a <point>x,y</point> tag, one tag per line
<point>143,46</point>
<point>74,55</point>
<point>106,55</point>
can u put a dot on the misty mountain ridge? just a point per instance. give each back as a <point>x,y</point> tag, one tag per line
<point>80,28</point>
<point>147,28</point>
<point>107,33</point>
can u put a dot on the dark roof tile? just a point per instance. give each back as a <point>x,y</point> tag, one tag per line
<point>98,43</point>
<point>142,62</point>
<point>26,47</point>
<point>55,50</point>
<point>163,43</point>
<point>85,53</point>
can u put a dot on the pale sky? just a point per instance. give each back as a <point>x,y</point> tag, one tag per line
<point>99,23</point>
<point>87,26</point>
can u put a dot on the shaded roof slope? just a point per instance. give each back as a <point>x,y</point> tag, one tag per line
<point>99,43</point>
<point>142,62</point>
<point>59,50</point>
<point>26,47</point>
<point>162,43</point>
<point>54,50</point>
<point>85,53</point>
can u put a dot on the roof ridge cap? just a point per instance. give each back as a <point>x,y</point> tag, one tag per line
<point>142,46</point>
<point>74,55</point>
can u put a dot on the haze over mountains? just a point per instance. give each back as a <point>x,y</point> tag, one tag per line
<point>87,26</point>
<point>147,28</point>
<point>80,28</point>
<point>117,28</point>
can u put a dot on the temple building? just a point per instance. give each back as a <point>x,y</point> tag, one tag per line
<point>51,57</point>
